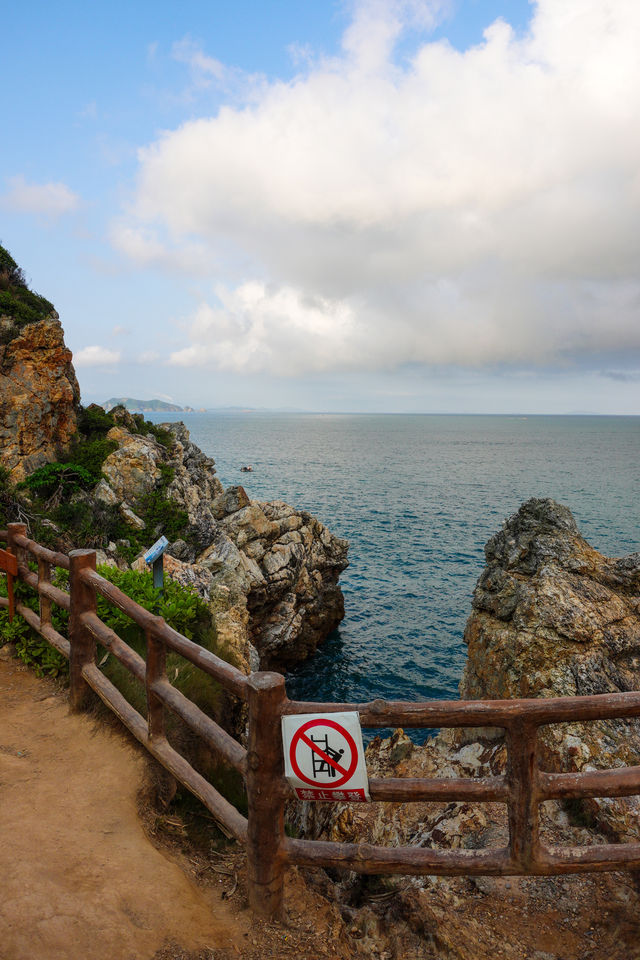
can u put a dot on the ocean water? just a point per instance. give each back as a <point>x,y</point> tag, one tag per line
<point>417,497</point>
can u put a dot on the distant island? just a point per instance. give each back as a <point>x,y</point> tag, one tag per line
<point>144,406</point>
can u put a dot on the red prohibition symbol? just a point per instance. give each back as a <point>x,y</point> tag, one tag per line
<point>300,736</point>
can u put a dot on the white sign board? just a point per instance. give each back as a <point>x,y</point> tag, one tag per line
<point>324,756</point>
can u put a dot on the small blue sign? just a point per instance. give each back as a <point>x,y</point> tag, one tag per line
<point>156,550</point>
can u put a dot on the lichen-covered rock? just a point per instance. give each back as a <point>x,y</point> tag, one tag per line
<point>296,602</point>
<point>39,397</point>
<point>281,566</point>
<point>133,469</point>
<point>553,617</point>
<point>195,485</point>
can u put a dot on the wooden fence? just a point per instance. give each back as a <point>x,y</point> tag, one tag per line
<point>269,850</point>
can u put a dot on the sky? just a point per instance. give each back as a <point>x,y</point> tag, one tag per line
<point>362,205</point>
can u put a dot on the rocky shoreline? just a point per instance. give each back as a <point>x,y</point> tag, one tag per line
<point>551,617</point>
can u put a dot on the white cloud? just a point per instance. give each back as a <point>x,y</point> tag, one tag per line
<point>472,208</point>
<point>96,356</point>
<point>49,199</point>
<point>204,70</point>
<point>256,328</point>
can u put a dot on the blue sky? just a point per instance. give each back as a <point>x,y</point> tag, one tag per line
<point>420,205</point>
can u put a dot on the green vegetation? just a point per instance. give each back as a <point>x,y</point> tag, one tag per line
<point>180,606</point>
<point>185,611</point>
<point>57,481</point>
<point>18,305</point>
<point>59,493</point>
<point>160,513</point>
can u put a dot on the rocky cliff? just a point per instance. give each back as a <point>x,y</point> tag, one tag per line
<point>39,397</point>
<point>280,566</point>
<point>269,571</point>
<point>551,617</point>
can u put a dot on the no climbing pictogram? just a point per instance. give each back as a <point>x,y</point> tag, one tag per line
<point>324,756</point>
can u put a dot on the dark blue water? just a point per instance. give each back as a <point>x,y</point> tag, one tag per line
<point>417,497</point>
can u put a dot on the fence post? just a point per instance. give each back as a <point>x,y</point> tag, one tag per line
<point>16,530</point>
<point>44,576</point>
<point>155,670</point>
<point>82,642</point>
<point>265,862</point>
<point>523,778</point>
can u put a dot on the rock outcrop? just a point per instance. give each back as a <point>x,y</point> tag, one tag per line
<point>281,565</point>
<point>39,397</point>
<point>551,617</point>
<point>270,572</point>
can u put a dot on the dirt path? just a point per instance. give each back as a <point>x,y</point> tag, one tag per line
<point>79,879</point>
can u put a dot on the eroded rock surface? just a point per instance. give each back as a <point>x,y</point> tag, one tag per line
<point>551,617</point>
<point>279,565</point>
<point>39,397</point>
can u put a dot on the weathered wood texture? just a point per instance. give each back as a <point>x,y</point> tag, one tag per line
<point>159,748</point>
<point>265,860</point>
<point>83,643</point>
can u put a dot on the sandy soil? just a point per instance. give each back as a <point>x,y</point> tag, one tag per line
<point>80,879</point>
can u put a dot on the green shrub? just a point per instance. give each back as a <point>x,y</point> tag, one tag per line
<point>93,421</point>
<point>56,482</point>
<point>180,606</point>
<point>31,648</point>
<point>17,302</point>
<point>91,454</point>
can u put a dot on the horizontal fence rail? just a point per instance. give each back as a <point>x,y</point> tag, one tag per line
<point>269,851</point>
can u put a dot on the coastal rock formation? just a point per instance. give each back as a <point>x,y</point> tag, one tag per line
<point>551,617</point>
<point>270,572</point>
<point>282,566</point>
<point>39,397</point>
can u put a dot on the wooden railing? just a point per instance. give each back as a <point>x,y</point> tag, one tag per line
<point>269,851</point>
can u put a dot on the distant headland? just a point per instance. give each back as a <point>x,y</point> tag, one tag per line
<point>144,406</point>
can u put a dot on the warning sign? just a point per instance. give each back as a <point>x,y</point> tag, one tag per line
<point>324,756</point>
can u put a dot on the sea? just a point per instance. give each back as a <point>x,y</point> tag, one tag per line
<point>417,497</point>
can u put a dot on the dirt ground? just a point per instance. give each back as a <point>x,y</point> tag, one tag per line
<point>79,877</point>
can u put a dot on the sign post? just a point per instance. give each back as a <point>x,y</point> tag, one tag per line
<point>154,557</point>
<point>324,757</point>
<point>9,564</point>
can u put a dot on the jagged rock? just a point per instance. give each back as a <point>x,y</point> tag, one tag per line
<point>294,599</point>
<point>130,517</point>
<point>133,469</point>
<point>39,397</point>
<point>232,500</point>
<point>104,493</point>
<point>194,486</point>
<point>553,617</point>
